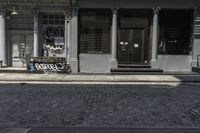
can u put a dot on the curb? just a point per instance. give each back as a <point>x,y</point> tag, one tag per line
<point>98,78</point>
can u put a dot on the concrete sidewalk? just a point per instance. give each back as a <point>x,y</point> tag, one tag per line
<point>97,78</point>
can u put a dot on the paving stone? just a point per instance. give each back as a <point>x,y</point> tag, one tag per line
<point>40,105</point>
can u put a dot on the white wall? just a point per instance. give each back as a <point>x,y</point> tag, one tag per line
<point>94,63</point>
<point>173,62</point>
<point>195,52</point>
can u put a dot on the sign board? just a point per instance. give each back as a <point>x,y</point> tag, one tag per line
<point>197,24</point>
<point>136,45</point>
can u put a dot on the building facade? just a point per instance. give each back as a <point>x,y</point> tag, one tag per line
<point>98,36</point>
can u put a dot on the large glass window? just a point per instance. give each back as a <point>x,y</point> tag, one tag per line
<point>53,35</point>
<point>175,32</point>
<point>95,31</point>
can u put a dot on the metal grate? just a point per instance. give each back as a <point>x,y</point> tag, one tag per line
<point>95,43</point>
<point>55,19</point>
<point>95,31</point>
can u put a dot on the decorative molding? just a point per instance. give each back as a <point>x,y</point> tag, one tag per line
<point>3,12</point>
<point>115,10</point>
<point>40,2</point>
<point>156,10</point>
<point>75,11</point>
<point>36,12</point>
<point>68,13</point>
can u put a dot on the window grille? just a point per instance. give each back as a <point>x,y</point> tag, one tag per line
<point>95,31</point>
<point>54,19</point>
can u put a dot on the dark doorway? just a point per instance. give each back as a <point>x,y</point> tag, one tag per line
<point>131,46</point>
<point>133,36</point>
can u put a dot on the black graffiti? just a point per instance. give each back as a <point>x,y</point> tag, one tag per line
<point>49,59</point>
<point>54,40</point>
<point>50,67</point>
<point>57,64</point>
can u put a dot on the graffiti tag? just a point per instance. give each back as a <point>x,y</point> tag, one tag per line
<point>56,64</point>
<point>51,67</point>
<point>54,40</point>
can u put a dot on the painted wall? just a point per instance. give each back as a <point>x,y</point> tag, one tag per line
<point>196,51</point>
<point>94,63</point>
<point>173,62</point>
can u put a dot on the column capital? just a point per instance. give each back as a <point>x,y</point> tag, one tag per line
<point>75,11</point>
<point>156,10</point>
<point>68,12</point>
<point>35,12</point>
<point>115,10</point>
<point>3,12</point>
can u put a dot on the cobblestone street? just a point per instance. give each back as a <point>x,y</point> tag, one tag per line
<point>40,105</point>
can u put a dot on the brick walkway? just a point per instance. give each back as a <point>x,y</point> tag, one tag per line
<point>99,105</point>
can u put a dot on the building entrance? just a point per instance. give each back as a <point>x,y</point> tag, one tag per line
<point>133,36</point>
<point>22,49</point>
<point>131,46</point>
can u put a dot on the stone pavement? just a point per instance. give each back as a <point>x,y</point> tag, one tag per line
<point>125,106</point>
<point>97,78</point>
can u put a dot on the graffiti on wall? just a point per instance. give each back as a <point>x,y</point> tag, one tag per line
<point>57,64</point>
<point>54,40</point>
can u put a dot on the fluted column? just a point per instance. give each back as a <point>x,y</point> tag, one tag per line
<point>67,33</point>
<point>3,36</point>
<point>74,41</point>
<point>113,61</point>
<point>36,36</point>
<point>155,35</point>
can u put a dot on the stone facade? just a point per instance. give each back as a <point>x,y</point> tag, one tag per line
<point>42,25</point>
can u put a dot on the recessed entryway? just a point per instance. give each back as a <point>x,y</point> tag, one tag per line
<point>133,36</point>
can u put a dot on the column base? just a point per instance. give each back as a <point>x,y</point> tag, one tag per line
<point>154,63</point>
<point>3,62</point>
<point>113,63</point>
<point>153,60</point>
<point>194,63</point>
<point>74,65</point>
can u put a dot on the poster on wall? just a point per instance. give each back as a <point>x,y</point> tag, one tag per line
<point>53,41</point>
<point>197,24</point>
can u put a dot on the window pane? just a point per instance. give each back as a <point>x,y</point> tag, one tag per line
<point>53,19</point>
<point>95,30</point>
<point>175,32</point>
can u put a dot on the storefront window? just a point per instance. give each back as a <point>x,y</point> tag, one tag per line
<point>95,31</point>
<point>53,35</point>
<point>175,32</point>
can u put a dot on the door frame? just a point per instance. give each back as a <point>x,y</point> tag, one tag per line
<point>144,48</point>
<point>9,42</point>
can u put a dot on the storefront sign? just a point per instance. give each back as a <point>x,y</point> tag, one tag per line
<point>197,24</point>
